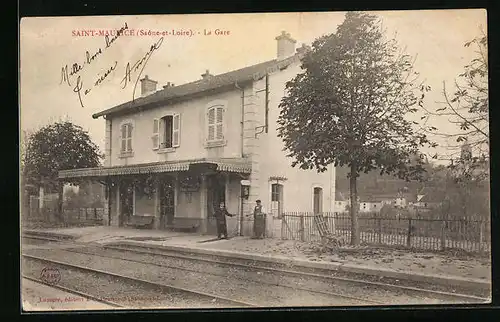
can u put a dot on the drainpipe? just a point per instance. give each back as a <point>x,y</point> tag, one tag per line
<point>267,103</point>
<point>240,225</point>
<point>242,122</point>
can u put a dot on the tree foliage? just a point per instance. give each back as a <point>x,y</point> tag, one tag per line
<point>59,146</point>
<point>349,105</point>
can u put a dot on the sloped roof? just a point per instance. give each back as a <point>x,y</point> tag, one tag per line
<point>239,76</point>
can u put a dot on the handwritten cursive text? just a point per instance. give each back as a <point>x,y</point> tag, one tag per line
<point>139,64</point>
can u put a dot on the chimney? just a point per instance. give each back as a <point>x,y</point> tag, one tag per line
<point>286,45</point>
<point>303,49</point>
<point>148,85</point>
<point>168,85</point>
<point>206,75</point>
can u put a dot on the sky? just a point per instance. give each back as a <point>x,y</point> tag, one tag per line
<point>48,44</point>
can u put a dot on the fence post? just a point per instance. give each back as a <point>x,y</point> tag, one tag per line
<point>379,230</point>
<point>408,238</point>
<point>86,213</point>
<point>443,237</point>
<point>95,213</point>
<point>302,232</point>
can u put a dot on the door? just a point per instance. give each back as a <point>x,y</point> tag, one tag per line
<point>216,193</point>
<point>276,200</point>
<point>167,202</point>
<point>318,200</point>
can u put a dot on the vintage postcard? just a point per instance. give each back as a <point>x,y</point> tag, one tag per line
<point>254,160</point>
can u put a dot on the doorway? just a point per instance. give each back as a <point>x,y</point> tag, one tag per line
<point>216,193</point>
<point>167,202</point>
<point>318,200</point>
<point>277,199</point>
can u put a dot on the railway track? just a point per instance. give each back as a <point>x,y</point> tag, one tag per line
<point>124,251</point>
<point>295,287</point>
<point>220,260</point>
<point>40,238</point>
<point>159,289</point>
<point>74,292</point>
<point>262,287</point>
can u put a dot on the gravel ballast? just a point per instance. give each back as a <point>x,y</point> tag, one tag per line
<point>338,273</point>
<point>226,286</point>
<point>125,293</point>
<point>316,284</point>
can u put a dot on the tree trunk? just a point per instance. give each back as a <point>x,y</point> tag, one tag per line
<point>354,205</point>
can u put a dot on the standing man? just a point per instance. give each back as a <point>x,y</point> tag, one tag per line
<point>259,220</point>
<point>220,217</point>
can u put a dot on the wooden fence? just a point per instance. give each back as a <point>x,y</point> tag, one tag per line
<point>469,234</point>
<point>73,216</point>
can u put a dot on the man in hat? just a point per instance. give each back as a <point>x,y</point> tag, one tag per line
<point>259,220</point>
<point>220,217</point>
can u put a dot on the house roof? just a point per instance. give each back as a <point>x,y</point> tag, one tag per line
<point>223,164</point>
<point>211,83</point>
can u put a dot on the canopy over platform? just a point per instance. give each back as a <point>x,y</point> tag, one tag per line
<point>237,165</point>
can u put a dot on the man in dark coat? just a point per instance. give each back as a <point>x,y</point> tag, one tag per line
<point>220,217</point>
<point>259,222</point>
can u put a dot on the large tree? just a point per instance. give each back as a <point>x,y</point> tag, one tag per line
<point>59,146</point>
<point>349,105</point>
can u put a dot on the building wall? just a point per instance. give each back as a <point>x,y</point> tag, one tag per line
<point>299,186</point>
<point>193,132</point>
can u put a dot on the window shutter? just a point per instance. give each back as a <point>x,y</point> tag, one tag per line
<point>211,124</point>
<point>123,138</point>
<point>211,116</point>
<point>156,134</point>
<point>129,130</point>
<point>129,137</point>
<point>161,129</point>
<point>176,126</point>
<point>220,123</point>
<point>220,112</point>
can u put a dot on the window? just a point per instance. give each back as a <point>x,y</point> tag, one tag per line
<point>126,138</point>
<point>275,192</point>
<point>216,123</point>
<point>166,132</point>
